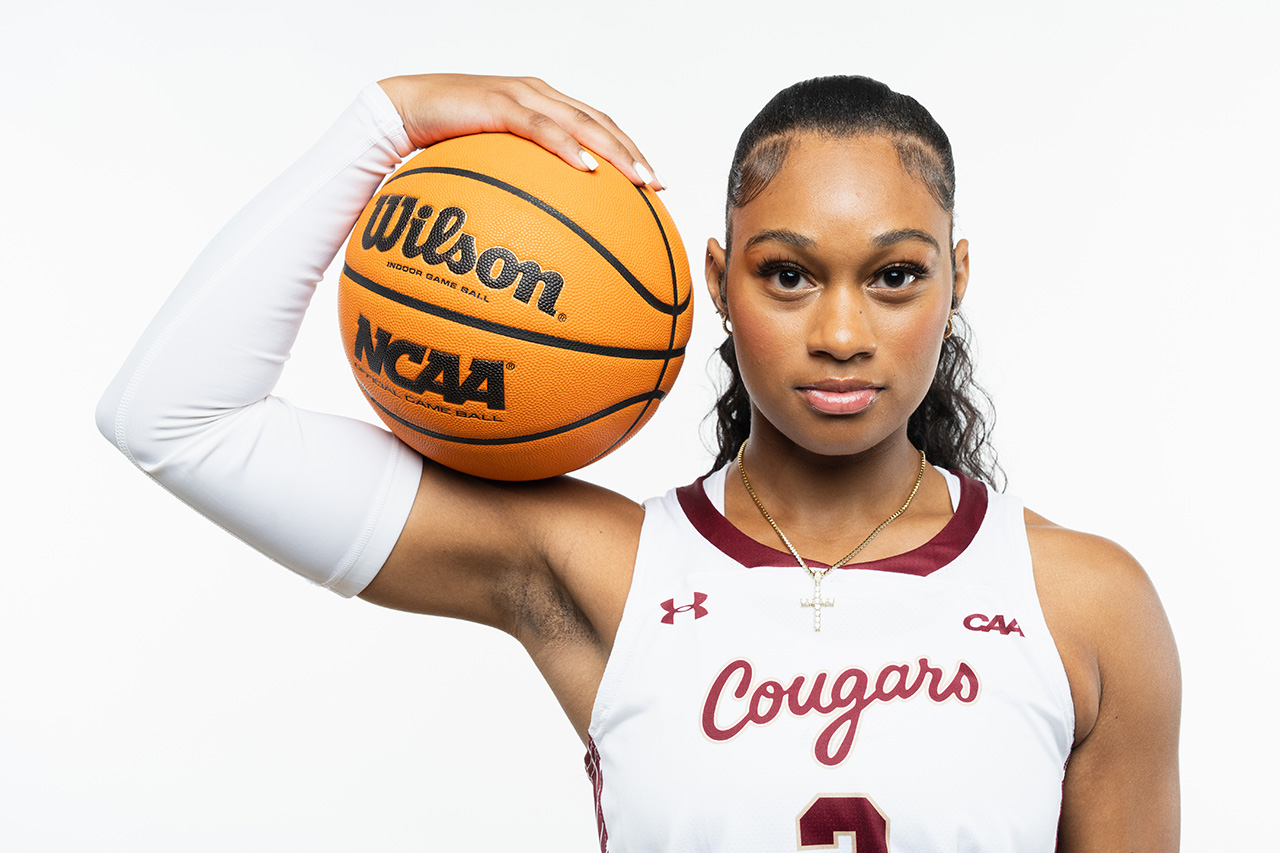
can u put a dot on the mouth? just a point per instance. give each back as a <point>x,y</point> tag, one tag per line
<point>840,396</point>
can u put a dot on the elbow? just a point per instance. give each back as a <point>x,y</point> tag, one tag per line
<point>133,427</point>
<point>106,416</point>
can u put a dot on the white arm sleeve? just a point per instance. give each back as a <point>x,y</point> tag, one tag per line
<point>324,495</point>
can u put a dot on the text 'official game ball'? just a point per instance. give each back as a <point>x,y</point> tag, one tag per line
<point>508,315</point>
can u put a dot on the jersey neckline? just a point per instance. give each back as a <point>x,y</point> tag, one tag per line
<point>939,551</point>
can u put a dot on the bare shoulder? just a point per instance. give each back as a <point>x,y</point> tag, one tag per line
<point>1063,547</point>
<point>1092,571</point>
<point>1094,594</point>
<point>1116,645</point>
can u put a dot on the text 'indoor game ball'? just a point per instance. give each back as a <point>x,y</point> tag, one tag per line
<point>508,315</point>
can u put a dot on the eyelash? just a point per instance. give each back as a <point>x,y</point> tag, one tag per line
<point>769,267</point>
<point>911,269</point>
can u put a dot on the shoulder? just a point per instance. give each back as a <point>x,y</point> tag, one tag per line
<point>1105,616</point>
<point>1093,587</point>
<point>1091,568</point>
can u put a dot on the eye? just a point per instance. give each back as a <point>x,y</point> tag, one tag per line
<point>782,274</point>
<point>896,278</point>
<point>789,279</point>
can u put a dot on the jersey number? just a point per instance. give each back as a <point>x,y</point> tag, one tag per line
<point>829,816</point>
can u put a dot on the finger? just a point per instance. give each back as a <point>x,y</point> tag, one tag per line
<point>595,136</point>
<point>597,131</point>
<point>639,169</point>
<point>546,131</point>
<point>601,118</point>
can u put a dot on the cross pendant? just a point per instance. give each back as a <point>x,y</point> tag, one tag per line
<point>817,602</point>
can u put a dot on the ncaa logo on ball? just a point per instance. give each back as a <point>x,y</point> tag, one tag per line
<point>441,374</point>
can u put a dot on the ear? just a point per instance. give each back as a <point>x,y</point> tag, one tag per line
<point>715,272</point>
<point>961,273</point>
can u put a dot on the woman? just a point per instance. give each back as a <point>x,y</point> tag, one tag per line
<point>965,649</point>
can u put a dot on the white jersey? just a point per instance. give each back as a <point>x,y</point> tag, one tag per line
<point>930,713</point>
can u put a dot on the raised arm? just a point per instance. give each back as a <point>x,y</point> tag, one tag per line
<point>191,405</point>
<point>327,496</point>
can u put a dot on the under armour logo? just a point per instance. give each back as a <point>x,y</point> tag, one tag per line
<point>671,610</point>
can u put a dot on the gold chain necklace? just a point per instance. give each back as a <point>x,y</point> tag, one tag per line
<point>817,602</point>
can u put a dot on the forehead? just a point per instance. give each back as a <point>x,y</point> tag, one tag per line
<point>838,189</point>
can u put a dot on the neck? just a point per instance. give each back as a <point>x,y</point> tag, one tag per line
<point>822,502</point>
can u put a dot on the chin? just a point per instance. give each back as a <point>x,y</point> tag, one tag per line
<point>841,435</point>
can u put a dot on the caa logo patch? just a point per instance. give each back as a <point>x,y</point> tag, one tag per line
<point>979,622</point>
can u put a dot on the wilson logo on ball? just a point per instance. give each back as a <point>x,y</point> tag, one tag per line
<point>441,374</point>
<point>400,220</point>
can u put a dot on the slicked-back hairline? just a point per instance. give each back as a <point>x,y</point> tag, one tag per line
<point>755,174</point>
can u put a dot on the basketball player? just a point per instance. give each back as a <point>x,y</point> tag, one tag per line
<point>827,636</point>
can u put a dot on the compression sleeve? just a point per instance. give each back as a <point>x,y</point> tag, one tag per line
<point>324,495</point>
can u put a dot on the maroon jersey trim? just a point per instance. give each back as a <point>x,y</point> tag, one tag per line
<point>925,560</point>
<point>597,789</point>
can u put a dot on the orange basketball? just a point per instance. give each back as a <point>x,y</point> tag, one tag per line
<point>508,315</point>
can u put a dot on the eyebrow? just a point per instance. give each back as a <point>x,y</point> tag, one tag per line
<point>781,235</point>
<point>888,238</point>
<point>880,241</point>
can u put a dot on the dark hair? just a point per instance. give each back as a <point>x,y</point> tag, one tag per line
<point>951,425</point>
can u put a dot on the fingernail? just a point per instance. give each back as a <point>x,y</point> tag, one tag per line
<point>587,160</point>
<point>643,173</point>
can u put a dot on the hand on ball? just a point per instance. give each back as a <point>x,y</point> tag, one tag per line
<point>436,107</point>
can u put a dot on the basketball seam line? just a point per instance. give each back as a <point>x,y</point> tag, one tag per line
<point>503,329</point>
<point>646,398</point>
<point>671,338</point>
<point>627,275</point>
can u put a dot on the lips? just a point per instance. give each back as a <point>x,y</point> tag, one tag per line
<point>840,396</point>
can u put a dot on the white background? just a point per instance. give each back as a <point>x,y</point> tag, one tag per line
<point>164,688</point>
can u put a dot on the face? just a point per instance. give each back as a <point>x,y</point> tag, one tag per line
<point>839,288</point>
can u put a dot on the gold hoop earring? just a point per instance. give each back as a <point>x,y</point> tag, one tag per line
<point>950,328</point>
<point>724,324</point>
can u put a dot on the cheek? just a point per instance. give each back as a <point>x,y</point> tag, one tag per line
<point>764,341</point>
<point>917,346</point>
<point>756,346</point>
<point>755,340</point>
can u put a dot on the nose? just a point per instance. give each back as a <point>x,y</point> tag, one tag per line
<point>839,327</point>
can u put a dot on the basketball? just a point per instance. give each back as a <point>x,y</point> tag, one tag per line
<point>510,316</point>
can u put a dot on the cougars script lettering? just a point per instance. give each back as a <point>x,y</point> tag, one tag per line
<point>852,691</point>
